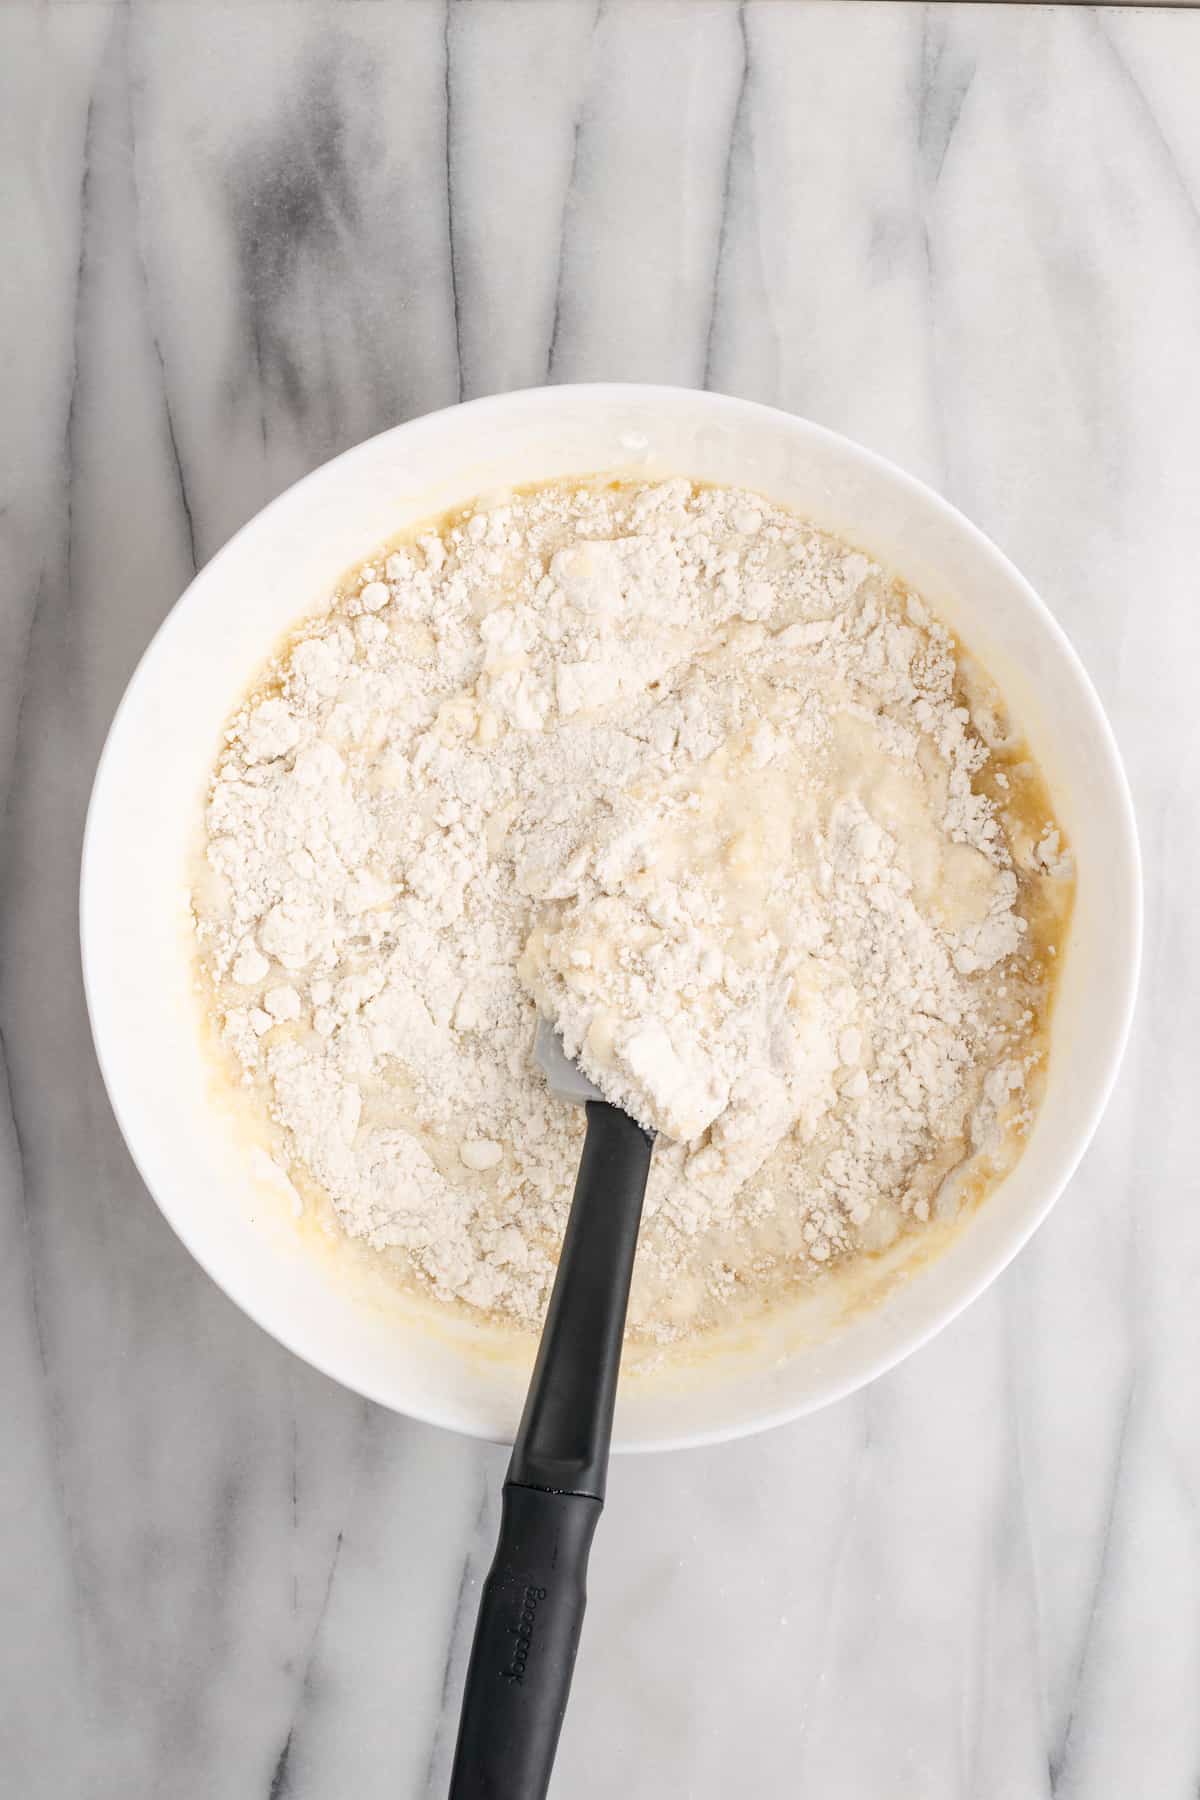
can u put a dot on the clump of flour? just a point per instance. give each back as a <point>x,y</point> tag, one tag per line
<point>696,781</point>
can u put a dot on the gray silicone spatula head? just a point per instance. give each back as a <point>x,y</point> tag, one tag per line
<point>563,1078</point>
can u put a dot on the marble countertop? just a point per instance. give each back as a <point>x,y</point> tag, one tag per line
<point>241,237</point>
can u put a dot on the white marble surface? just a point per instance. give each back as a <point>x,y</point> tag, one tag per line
<point>238,238</point>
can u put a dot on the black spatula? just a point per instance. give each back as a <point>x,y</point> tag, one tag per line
<point>531,1609</point>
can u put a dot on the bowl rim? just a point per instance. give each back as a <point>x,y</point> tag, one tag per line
<point>1116,781</point>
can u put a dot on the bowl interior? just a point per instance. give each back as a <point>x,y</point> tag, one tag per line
<point>202,1165</point>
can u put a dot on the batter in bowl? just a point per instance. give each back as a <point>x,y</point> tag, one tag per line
<point>711,790</point>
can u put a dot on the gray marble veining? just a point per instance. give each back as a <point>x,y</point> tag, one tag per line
<point>241,237</point>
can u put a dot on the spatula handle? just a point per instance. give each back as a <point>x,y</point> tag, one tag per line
<point>530,1614</point>
<point>563,1438</point>
<point>531,1609</point>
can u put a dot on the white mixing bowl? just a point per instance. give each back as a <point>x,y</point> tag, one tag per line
<point>143,827</point>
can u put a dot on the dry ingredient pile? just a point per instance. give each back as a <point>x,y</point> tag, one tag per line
<point>703,785</point>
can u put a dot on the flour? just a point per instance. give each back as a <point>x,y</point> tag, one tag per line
<point>698,782</point>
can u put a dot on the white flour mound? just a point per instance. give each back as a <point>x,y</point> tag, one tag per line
<point>694,779</point>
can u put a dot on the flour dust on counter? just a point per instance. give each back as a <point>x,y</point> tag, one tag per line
<point>711,790</point>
